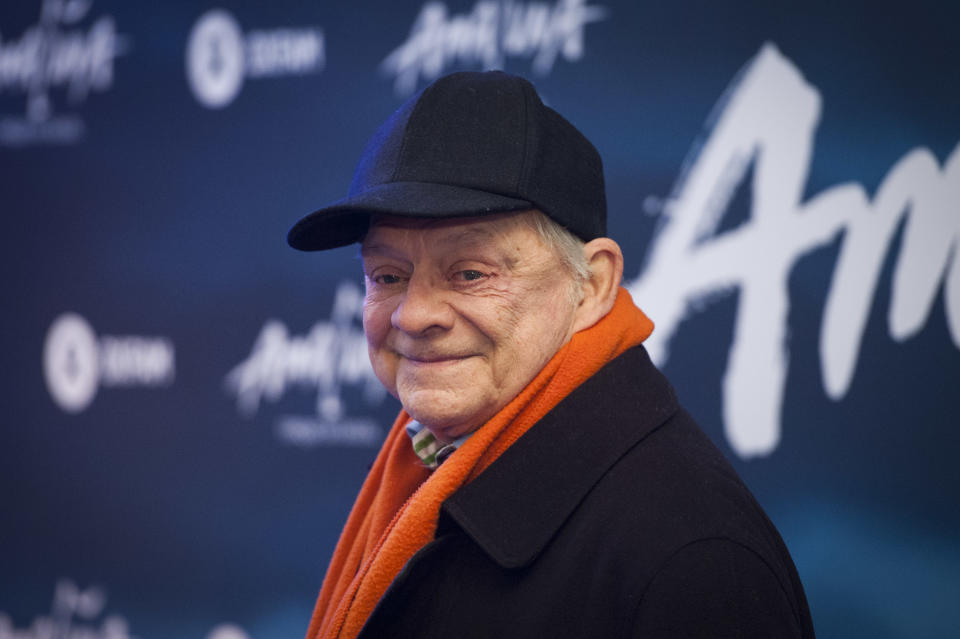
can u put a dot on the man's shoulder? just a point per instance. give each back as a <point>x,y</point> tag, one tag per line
<point>672,486</point>
<point>619,457</point>
<point>609,497</point>
<point>662,461</point>
<point>626,467</point>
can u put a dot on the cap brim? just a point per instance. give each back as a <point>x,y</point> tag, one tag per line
<point>346,221</point>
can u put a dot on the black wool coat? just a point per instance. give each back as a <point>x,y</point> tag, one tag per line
<point>614,516</point>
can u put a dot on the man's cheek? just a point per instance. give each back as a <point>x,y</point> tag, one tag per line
<point>384,366</point>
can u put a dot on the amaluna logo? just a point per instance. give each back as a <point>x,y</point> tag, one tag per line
<point>79,613</point>
<point>768,119</point>
<point>493,31</point>
<point>57,53</point>
<point>76,612</point>
<point>330,357</point>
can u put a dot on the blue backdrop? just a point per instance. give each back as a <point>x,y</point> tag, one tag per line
<point>188,407</point>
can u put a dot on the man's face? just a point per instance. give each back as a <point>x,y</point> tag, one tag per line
<point>461,314</point>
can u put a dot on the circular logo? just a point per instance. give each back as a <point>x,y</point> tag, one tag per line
<point>215,59</point>
<point>71,364</point>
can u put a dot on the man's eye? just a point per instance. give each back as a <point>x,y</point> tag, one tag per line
<point>387,279</point>
<point>469,275</point>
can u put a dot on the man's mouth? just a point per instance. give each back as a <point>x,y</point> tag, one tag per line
<point>433,358</point>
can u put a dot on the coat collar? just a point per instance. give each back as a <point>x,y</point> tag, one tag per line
<point>516,506</point>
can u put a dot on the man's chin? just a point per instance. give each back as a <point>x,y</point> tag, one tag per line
<point>447,419</point>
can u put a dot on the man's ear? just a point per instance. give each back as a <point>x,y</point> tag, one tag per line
<point>600,291</point>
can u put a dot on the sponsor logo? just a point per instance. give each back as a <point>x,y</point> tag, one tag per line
<point>57,53</point>
<point>488,35</point>
<point>76,362</point>
<point>220,56</point>
<point>329,358</point>
<point>690,262</point>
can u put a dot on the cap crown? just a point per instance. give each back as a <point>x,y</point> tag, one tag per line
<point>470,144</point>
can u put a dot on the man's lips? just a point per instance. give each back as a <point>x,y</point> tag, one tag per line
<point>433,358</point>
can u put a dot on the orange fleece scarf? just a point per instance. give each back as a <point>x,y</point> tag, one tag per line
<point>398,506</point>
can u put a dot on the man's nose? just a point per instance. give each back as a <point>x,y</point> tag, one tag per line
<point>422,308</point>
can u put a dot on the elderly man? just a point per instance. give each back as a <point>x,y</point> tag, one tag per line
<point>541,479</point>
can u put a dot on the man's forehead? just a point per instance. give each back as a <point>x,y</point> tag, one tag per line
<point>440,232</point>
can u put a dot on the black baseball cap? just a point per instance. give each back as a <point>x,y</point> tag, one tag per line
<point>472,143</point>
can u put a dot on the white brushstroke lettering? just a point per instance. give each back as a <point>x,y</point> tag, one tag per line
<point>768,119</point>
<point>332,354</point>
<point>487,36</point>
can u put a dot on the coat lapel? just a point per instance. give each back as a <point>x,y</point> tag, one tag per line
<point>517,505</point>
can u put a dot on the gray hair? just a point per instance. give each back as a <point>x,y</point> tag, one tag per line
<point>567,246</point>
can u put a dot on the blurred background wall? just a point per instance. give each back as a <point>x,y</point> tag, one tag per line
<point>188,408</point>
